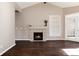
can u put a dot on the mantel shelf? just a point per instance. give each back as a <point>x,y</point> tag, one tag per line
<point>37,27</point>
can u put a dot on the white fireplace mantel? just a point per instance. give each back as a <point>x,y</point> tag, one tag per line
<point>37,29</point>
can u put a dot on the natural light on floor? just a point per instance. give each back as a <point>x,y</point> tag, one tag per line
<point>74,51</point>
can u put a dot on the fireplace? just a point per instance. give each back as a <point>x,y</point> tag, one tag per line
<point>38,36</point>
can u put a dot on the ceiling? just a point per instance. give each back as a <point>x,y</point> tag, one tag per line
<point>25,4</point>
<point>60,4</point>
<point>65,4</point>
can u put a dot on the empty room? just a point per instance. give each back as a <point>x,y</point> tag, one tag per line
<point>39,28</point>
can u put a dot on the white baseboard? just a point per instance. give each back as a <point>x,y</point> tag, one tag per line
<point>23,39</point>
<point>44,39</point>
<point>7,49</point>
<point>55,38</point>
<point>27,40</point>
<point>72,39</point>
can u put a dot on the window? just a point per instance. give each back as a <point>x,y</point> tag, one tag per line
<point>54,25</point>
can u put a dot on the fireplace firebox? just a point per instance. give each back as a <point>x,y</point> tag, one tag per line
<point>38,35</point>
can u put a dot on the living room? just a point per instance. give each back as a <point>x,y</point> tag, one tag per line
<point>39,28</point>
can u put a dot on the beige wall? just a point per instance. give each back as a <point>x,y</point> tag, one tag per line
<point>35,16</point>
<point>7,26</point>
<point>37,13</point>
<point>70,10</point>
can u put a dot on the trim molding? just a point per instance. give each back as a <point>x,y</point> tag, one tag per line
<point>23,39</point>
<point>7,49</point>
<point>43,40</point>
<point>73,39</point>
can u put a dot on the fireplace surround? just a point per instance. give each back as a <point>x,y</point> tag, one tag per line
<point>39,32</point>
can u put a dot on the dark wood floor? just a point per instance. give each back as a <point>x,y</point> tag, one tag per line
<point>48,48</point>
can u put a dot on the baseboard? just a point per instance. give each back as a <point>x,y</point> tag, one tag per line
<point>7,49</point>
<point>55,39</point>
<point>43,40</point>
<point>22,39</point>
<point>73,39</point>
<point>27,40</point>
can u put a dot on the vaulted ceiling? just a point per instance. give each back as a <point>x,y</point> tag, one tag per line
<point>60,4</point>
<point>65,4</point>
<point>25,4</point>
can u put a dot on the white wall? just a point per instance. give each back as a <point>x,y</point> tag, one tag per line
<point>7,26</point>
<point>35,16</point>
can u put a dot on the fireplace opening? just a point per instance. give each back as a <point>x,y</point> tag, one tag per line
<point>38,35</point>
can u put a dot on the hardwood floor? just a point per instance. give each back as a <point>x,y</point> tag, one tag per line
<point>48,48</point>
